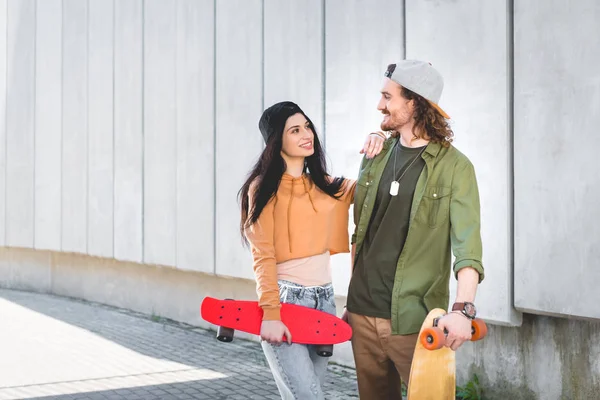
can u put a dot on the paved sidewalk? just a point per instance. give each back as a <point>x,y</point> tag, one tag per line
<point>58,348</point>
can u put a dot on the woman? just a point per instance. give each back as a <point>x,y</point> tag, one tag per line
<point>294,216</point>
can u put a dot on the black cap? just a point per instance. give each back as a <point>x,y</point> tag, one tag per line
<point>274,118</point>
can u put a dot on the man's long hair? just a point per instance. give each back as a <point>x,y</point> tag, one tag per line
<point>428,120</point>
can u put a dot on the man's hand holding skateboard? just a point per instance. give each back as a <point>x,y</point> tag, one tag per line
<point>458,323</point>
<point>458,327</point>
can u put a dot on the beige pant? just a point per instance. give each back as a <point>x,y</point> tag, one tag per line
<point>382,359</point>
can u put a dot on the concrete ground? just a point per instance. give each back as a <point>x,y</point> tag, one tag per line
<point>58,348</point>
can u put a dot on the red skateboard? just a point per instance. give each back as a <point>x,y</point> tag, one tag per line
<point>307,325</point>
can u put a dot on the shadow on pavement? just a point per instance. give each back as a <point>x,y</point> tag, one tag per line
<point>245,374</point>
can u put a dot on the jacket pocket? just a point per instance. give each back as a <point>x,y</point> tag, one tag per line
<point>437,205</point>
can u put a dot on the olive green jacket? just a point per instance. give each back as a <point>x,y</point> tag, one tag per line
<point>444,217</point>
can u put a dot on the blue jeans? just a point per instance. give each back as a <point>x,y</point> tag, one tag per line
<point>297,368</point>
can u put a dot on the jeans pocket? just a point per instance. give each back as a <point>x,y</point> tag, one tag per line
<point>283,294</point>
<point>328,305</point>
<point>288,294</point>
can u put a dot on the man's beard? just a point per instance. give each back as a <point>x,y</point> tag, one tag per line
<point>389,125</point>
<point>393,123</point>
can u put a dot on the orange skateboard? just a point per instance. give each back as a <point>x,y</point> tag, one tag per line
<point>307,325</point>
<point>433,369</point>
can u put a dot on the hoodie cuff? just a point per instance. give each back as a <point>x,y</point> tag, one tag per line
<point>272,314</point>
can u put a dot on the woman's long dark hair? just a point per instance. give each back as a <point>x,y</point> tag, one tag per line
<point>265,176</point>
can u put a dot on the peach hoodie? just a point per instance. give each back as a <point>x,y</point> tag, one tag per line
<point>300,221</point>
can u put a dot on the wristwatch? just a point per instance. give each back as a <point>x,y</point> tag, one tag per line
<point>468,309</point>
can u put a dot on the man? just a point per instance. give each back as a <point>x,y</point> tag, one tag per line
<point>415,203</point>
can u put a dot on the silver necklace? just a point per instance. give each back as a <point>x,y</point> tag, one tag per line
<point>395,185</point>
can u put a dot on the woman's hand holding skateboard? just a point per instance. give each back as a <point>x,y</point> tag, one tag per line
<point>274,331</point>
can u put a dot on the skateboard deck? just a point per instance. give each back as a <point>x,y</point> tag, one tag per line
<point>433,369</point>
<point>306,325</point>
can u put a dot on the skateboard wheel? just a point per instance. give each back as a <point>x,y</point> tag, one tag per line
<point>433,338</point>
<point>325,350</point>
<point>478,330</point>
<point>225,334</point>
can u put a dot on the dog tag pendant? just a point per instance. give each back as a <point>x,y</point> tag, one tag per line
<point>394,188</point>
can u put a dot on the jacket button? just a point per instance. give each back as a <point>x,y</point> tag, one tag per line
<point>435,195</point>
<point>367,183</point>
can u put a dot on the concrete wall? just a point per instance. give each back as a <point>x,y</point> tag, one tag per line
<point>544,359</point>
<point>557,98</point>
<point>127,128</point>
<point>108,146</point>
